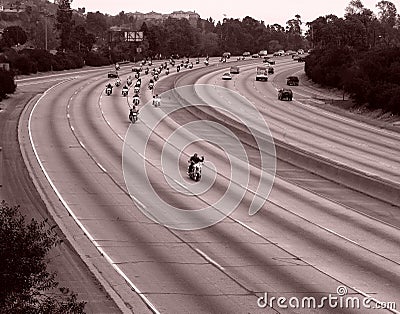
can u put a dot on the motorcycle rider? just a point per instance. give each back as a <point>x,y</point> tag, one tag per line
<point>136,100</point>
<point>151,83</point>
<point>125,90</point>
<point>194,160</point>
<point>133,111</point>
<point>109,86</point>
<point>156,100</point>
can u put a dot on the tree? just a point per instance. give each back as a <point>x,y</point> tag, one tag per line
<point>64,23</point>
<point>24,278</point>
<point>14,35</point>
<point>96,23</point>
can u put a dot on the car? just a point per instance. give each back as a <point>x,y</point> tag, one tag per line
<point>226,55</point>
<point>246,54</point>
<point>270,61</point>
<point>292,81</point>
<point>279,53</point>
<point>234,70</point>
<point>285,94</point>
<point>301,59</point>
<point>255,55</point>
<point>271,70</point>
<point>262,73</point>
<point>226,76</point>
<point>112,74</point>
<point>136,69</point>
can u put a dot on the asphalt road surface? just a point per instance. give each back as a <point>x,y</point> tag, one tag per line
<point>310,237</point>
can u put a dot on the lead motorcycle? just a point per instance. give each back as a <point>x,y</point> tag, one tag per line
<point>133,114</point>
<point>195,173</point>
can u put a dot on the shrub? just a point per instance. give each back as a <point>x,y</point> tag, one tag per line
<point>7,83</point>
<point>96,59</point>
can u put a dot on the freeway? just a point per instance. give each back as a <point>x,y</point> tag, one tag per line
<point>310,236</point>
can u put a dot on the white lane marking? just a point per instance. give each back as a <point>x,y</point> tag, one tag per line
<point>247,227</point>
<point>138,202</point>
<point>376,300</point>
<point>72,214</point>
<point>209,259</point>
<point>72,128</point>
<point>339,235</point>
<point>101,167</point>
<point>83,145</point>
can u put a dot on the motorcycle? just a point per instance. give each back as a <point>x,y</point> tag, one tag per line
<point>124,92</point>
<point>133,115</point>
<point>136,89</point>
<point>136,100</point>
<point>129,82</point>
<point>117,83</point>
<point>195,173</point>
<point>108,91</point>
<point>156,101</point>
<point>146,71</point>
<point>206,62</point>
<point>167,71</point>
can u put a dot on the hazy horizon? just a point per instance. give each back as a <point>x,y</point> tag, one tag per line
<point>274,12</point>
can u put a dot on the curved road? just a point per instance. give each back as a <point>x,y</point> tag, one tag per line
<point>304,242</point>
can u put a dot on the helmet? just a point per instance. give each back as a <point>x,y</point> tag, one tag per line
<point>195,155</point>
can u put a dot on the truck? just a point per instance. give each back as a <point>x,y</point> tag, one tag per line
<point>263,53</point>
<point>262,73</point>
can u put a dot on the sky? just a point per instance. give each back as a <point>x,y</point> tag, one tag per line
<point>271,12</point>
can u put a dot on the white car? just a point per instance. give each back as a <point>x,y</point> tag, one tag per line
<point>226,76</point>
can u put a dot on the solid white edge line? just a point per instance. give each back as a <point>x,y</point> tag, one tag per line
<point>209,259</point>
<point>77,221</point>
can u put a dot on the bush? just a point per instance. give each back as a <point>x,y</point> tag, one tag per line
<point>41,57</point>
<point>24,278</point>
<point>24,65</point>
<point>7,83</point>
<point>96,59</point>
<point>372,77</point>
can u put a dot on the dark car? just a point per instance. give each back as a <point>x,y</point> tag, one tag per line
<point>136,69</point>
<point>271,70</point>
<point>292,81</point>
<point>112,74</point>
<point>285,94</point>
<point>234,70</point>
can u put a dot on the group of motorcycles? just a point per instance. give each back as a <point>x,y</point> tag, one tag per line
<point>194,169</point>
